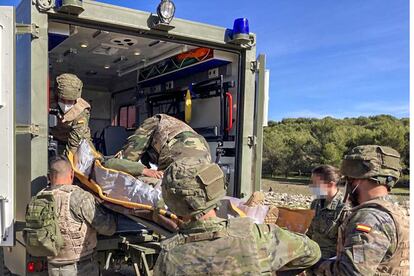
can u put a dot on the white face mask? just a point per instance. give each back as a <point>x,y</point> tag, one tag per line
<point>65,107</point>
<point>318,192</point>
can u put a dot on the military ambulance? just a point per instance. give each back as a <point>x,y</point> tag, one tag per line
<point>133,65</point>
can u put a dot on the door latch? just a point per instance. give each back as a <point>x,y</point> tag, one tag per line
<point>251,140</point>
<point>254,66</point>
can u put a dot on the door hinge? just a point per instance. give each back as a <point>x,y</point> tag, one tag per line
<point>32,29</point>
<point>254,65</point>
<point>31,129</point>
<point>251,140</point>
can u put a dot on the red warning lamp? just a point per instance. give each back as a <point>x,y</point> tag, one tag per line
<point>30,267</point>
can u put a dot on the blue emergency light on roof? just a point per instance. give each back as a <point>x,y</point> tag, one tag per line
<point>240,33</point>
<point>241,26</point>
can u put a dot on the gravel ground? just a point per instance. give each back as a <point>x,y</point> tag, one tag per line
<point>298,195</point>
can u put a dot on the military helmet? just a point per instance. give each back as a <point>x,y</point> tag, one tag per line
<point>192,187</point>
<point>69,86</point>
<point>378,163</point>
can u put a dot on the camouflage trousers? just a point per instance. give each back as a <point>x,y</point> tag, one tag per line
<point>88,267</point>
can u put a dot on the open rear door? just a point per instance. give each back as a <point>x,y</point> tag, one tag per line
<point>260,119</point>
<point>7,128</point>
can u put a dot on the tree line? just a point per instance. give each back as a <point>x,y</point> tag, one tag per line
<point>298,145</point>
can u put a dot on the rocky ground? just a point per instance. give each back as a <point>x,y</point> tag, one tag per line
<point>288,200</point>
<point>291,195</point>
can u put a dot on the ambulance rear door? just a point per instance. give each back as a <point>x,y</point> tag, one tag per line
<point>7,126</point>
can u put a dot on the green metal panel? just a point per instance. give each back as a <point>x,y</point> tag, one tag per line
<point>39,100</point>
<point>246,115</point>
<point>31,102</point>
<point>138,21</point>
<point>260,98</point>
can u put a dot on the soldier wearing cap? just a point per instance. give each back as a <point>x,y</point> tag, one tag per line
<point>73,119</point>
<point>162,139</point>
<point>373,240</point>
<point>208,245</point>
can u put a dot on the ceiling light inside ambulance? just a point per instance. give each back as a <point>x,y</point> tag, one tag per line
<point>107,66</point>
<point>136,53</point>
<point>84,45</point>
<point>166,11</point>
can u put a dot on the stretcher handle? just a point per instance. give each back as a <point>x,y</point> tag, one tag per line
<point>230,112</point>
<point>167,214</point>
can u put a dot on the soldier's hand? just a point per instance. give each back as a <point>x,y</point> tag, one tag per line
<point>153,173</point>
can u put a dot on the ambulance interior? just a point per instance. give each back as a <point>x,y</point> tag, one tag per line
<point>128,78</point>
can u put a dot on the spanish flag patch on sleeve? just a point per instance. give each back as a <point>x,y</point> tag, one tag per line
<point>363,227</point>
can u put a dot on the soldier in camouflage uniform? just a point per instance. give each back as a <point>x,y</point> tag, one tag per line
<point>163,139</point>
<point>329,207</point>
<point>373,240</point>
<point>80,219</point>
<point>208,245</point>
<point>73,119</point>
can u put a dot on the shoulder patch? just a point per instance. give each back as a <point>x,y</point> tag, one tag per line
<point>363,227</point>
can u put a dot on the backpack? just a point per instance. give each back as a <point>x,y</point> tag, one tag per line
<point>42,233</point>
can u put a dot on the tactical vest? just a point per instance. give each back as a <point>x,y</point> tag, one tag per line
<point>231,251</point>
<point>167,129</point>
<point>398,263</point>
<point>325,224</point>
<point>79,238</point>
<point>64,125</point>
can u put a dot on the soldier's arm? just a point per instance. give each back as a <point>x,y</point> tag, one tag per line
<point>288,250</point>
<point>139,142</point>
<point>368,236</point>
<point>80,130</point>
<point>85,208</point>
<point>132,167</point>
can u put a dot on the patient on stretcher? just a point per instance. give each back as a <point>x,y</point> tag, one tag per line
<point>123,187</point>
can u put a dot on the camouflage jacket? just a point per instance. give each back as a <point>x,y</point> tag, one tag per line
<point>84,208</point>
<point>325,224</point>
<point>234,247</point>
<point>373,240</point>
<point>73,126</point>
<point>164,139</point>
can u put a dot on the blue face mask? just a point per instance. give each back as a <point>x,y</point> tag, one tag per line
<point>318,192</point>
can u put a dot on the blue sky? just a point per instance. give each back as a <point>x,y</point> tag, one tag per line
<point>326,58</point>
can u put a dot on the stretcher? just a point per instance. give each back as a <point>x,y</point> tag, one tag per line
<point>139,201</point>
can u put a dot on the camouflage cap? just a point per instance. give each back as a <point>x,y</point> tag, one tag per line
<point>69,86</point>
<point>373,162</point>
<point>191,187</point>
